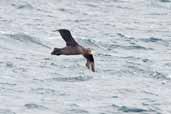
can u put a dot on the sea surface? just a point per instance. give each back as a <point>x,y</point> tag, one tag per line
<point>132,44</point>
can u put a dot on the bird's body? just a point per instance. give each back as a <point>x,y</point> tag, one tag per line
<point>73,48</point>
<point>68,50</point>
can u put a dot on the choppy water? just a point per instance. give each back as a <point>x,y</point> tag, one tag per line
<point>133,57</point>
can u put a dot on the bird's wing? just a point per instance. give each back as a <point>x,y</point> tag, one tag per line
<point>66,35</point>
<point>89,57</point>
<point>90,62</point>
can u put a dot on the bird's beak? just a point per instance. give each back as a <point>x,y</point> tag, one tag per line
<point>92,52</point>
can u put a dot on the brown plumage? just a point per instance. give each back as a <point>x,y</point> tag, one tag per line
<point>73,48</point>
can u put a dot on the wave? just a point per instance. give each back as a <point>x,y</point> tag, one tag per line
<point>165,1</point>
<point>21,41</point>
<point>155,40</point>
<point>159,75</point>
<point>44,91</point>
<point>143,68</point>
<point>111,47</point>
<point>152,39</point>
<point>35,106</point>
<point>6,111</point>
<point>72,79</point>
<point>166,4</point>
<point>26,39</point>
<point>130,109</point>
<point>22,5</point>
<point>78,111</point>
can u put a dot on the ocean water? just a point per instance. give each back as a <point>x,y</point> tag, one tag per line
<point>132,41</point>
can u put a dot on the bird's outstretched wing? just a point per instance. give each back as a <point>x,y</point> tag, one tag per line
<point>90,62</point>
<point>66,35</point>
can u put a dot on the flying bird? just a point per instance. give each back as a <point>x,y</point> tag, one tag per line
<point>73,48</point>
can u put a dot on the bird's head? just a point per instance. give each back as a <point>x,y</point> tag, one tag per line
<point>89,51</point>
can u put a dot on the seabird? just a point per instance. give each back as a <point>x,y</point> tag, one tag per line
<point>73,48</point>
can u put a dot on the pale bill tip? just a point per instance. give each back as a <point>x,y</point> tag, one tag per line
<point>92,52</point>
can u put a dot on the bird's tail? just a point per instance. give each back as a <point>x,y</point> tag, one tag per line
<point>56,51</point>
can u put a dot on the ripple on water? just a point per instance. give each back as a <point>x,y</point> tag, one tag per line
<point>127,47</point>
<point>128,109</point>
<point>9,64</point>
<point>26,39</point>
<point>8,84</point>
<point>35,106</point>
<point>78,111</point>
<point>165,0</point>
<point>155,40</point>
<point>152,39</point>
<point>6,111</point>
<point>44,91</point>
<point>159,75</point>
<point>71,79</point>
<point>131,109</point>
<point>22,5</point>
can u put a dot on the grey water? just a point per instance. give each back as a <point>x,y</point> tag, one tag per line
<point>132,44</point>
